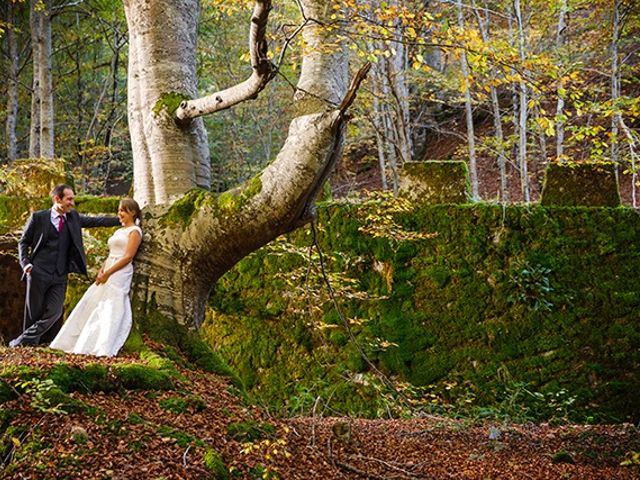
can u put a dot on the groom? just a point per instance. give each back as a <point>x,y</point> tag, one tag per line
<point>49,249</point>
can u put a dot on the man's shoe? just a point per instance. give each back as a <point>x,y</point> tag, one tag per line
<point>14,343</point>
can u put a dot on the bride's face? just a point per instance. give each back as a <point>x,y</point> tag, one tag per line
<point>126,217</point>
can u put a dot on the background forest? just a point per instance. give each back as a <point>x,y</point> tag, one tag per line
<point>494,336</point>
<point>508,86</point>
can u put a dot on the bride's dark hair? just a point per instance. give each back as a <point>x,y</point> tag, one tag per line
<point>131,206</point>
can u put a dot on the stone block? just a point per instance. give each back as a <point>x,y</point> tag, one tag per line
<point>585,184</point>
<point>436,182</point>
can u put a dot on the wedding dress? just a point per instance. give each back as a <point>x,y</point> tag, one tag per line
<point>101,321</point>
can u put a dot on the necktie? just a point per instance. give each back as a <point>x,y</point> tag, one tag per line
<point>61,223</point>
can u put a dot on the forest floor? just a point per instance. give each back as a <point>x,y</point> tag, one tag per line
<point>172,434</point>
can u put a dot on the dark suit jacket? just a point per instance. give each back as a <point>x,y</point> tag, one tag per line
<point>37,230</point>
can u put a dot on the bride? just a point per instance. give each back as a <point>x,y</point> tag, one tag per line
<point>101,321</point>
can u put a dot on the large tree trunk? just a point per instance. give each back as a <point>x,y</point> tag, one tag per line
<point>190,244</point>
<point>12,86</point>
<point>169,159</point>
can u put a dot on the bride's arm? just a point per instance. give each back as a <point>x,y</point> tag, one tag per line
<point>132,247</point>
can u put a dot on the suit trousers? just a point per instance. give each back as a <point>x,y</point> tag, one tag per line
<point>44,305</point>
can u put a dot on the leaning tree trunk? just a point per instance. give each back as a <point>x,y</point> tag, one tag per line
<point>191,242</point>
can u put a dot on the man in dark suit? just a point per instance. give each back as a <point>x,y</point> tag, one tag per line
<point>49,249</point>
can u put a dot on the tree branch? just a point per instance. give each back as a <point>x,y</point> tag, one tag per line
<point>263,72</point>
<point>353,88</point>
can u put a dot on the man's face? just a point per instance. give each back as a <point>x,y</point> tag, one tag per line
<point>65,204</point>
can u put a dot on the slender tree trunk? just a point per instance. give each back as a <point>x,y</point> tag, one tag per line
<point>515,102</point>
<point>46,83</point>
<point>80,106</point>
<point>560,41</point>
<point>12,86</point>
<point>471,141</point>
<point>377,126</point>
<point>113,101</point>
<point>484,27</point>
<point>615,84</point>
<point>34,132</point>
<point>396,66</point>
<point>384,123</point>
<point>523,109</point>
<point>391,142</point>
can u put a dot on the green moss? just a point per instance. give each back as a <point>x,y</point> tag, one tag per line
<point>562,457</point>
<point>183,209</point>
<point>214,463</point>
<point>183,439</point>
<point>250,431</point>
<point>235,199</point>
<point>169,102</point>
<point>14,211</point>
<point>436,182</point>
<point>523,296</point>
<point>97,205</point>
<point>142,377</point>
<point>87,379</point>
<point>589,184</point>
<point>182,404</point>
<point>165,330</point>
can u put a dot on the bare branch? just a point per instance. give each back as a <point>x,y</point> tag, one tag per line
<point>353,88</point>
<point>263,72</point>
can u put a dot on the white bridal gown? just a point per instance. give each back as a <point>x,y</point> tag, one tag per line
<point>101,321</point>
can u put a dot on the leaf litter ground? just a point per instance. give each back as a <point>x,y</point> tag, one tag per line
<point>135,434</point>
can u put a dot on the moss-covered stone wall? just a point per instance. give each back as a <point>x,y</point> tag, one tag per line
<point>531,307</point>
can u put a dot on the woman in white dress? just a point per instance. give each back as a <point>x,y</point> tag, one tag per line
<point>101,321</point>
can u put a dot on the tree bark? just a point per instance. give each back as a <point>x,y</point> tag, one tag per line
<point>168,158</point>
<point>615,83</point>
<point>190,244</point>
<point>12,86</point>
<point>34,129</point>
<point>485,32</point>
<point>46,82</point>
<point>560,41</point>
<point>262,72</point>
<point>523,109</point>
<point>468,107</point>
